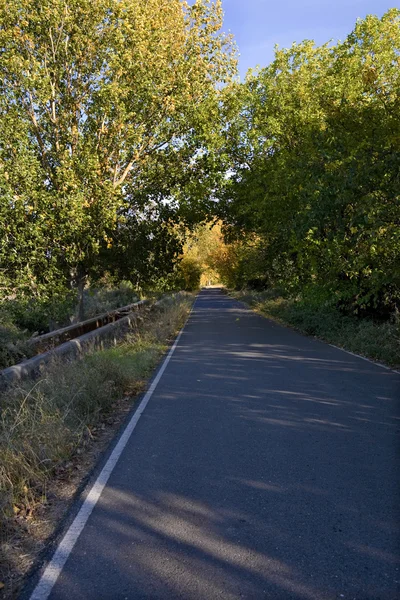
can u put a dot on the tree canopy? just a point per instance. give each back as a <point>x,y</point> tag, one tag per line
<point>314,148</point>
<point>121,122</point>
<point>104,106</point>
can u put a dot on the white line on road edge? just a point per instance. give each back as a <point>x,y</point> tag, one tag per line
<point>377,364</point>
<point>282,324</point>
<point>54,568</point>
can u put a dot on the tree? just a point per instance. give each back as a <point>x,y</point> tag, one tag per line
<point>104,93</point>
<point>315,165</point>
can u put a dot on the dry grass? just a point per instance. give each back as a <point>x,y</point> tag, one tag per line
<point>45,426</point>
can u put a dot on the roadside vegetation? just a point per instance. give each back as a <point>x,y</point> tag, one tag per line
<point>313,202</point>
<point>377,340</point>
<point>46,425</point>
<point>133,163</point>
<point>21,318</point>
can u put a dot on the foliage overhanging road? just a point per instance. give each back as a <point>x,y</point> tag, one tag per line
<point>264,466</point>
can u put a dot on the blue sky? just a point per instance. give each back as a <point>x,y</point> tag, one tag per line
<point>260,24</point>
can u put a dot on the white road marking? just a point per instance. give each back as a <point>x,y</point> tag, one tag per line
<point>48,579</point>
<point>377,364</point>
<point>287,326</point>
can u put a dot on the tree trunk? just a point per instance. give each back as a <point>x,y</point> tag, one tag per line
<point>81,297</point>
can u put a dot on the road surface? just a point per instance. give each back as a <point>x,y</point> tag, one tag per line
<point>265,465</point>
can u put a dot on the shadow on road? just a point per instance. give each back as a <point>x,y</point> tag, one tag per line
<point>266,466</point>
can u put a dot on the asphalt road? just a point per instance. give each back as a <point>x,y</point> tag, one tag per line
<point>264,466</point>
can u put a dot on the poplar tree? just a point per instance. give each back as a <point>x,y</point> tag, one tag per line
<point>96,96</point>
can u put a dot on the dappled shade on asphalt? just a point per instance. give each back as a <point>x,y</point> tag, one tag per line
<point>265,466</point>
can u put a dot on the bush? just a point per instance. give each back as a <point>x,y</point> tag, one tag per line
<point>101,300</point>
<point>13,346</point>
<point>37,315</point>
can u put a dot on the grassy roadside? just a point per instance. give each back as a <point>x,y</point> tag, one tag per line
<point>379,341</point>
<point>20,319</point>
<point>45,428</point>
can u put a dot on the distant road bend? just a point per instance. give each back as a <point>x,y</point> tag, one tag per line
<point>265,466</point>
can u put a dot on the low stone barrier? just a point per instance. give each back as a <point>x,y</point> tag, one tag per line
<point>98,339</point>
<point>102,337</point>
<point>47,341</point>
